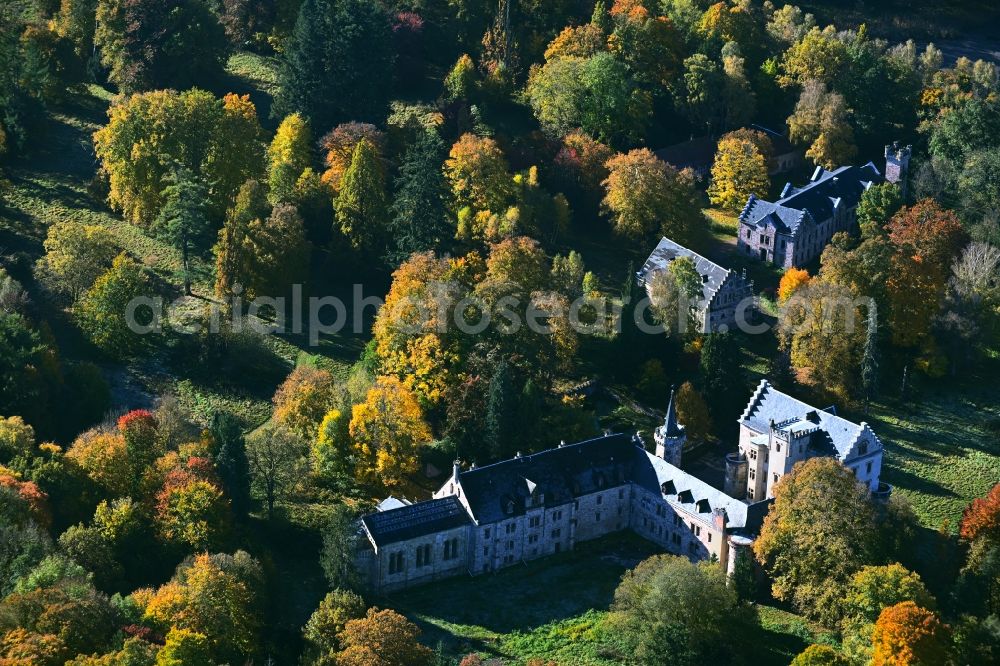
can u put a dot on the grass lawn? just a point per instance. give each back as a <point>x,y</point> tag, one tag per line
<point>556,608</point>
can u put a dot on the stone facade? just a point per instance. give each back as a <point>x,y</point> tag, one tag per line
<point>725,297</point>
<point>777,431</point>
<point>793,230</point>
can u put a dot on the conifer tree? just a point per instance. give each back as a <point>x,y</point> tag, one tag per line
<point>184,219</point>
<point>501,411</point>
<point>361,203</point>
<point>338,64</point>
<point>420,210</point>
<point>869,358</point>
<point>231,461</point>
<point>232,259</point>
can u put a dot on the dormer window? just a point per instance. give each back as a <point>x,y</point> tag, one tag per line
<point>863,449</point>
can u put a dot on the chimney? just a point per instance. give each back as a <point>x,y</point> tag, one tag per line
<point>456,469</point>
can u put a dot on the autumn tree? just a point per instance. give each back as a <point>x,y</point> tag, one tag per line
<point>75,256</point>
<point>303,399</point>
<point>103,310</point>
<point>337,556</point>
<point>289,154</point>
<point>387,430</point>
<point>822,328</point>
<point>692,412</point>
<point>218,140</point>
<point>339,144</point>
<point>581,164</point>
<point>276,456</point>
<point>644,196</point>
<point>792,280</point>
<point>183,220</point>
<point>820,655</point>
<point>819,532</point>
<point>908,634</point>
<point>820,120</point>
<point>141,55</point>
<point>739,170</point>
<point>384,637</point>
<point>818,55</point>
<point>874,588</point>
<point>478,174</point>
<point>216,596</point>
<point>331,453</point>
<point>183,646</point>
<point>338,63</point>
<point>361,208</point>
<point>980,528</point>
<point>327,622</point>
<point>191,511</point>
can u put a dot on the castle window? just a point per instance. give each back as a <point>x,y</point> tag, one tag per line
<point>869,468</point>
<point>753,474</point>
<point>533,538</point>
<point>396,562</point>
<point>863,449</point>
<point>510,545</point>
<point>600,499</point>
<point>775,478</point>
<point>534,521</point>
<point>750,493</point>
<point>777,447</point>
<point>557,515</point>
<point>451,549</point>
<point>597,516</point>
<point>621,493</point>
<point>486,533</point>
<point>423,555</point>
<point>710,537</point>
<point>556,534</point>
<point>486,552</point>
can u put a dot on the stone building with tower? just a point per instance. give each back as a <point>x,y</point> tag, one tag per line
<point>486,518</point>
<point>793,230</point>
<point>725,294</point>
<point>777,431</point>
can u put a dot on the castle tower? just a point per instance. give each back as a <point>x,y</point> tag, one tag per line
<point>670,437</point>
<point>737,468</point>
<point>897,164</point>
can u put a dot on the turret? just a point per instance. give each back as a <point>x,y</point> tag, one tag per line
<point>670,437</point>
<point>897,164</point>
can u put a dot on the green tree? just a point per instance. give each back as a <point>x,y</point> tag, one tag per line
<point>595,94</point>
<point>701,97</point>
<point>102,310</point>
<point>420,220</point>
<point>340,537</point>
<point>874,588</point>
<point>819,532</point>
<point>361,204</point>
<point>150,44</point>
<point>876,207</point>
<point>338,63</point>
<point>331,455</point>
<point>501,422</point>
<point>721,375</point>
<point>231,462</point>
<point>183,647</point>
<point>183,220</point>
<point>668,602</point>
<point>328,621</point>
<point>461,82</point>
<point>870,356</point>
<point>276,458</point>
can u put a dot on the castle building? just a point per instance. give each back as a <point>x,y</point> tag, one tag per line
<point>724,292</point>
<point>793,230</point>
<point>777,431</point>
<point>487,518</point>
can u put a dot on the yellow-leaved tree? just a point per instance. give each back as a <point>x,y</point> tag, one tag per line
<point>739,170</point>
<point>387,430</point>
<point>793,280</point>
<point>288,156</point>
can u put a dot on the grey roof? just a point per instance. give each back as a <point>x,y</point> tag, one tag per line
<point>671,428</point>
<point>817,200</point>
<point>830,433</point>
<point>391,502</point>
<point>779,142</point>
<point>696,154</point>
<point>694,495</point>
<point>415,520</point>
<point>498,491</point>
<point>712,274</point>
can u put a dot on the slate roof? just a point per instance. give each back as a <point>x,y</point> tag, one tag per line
<point>817,200</point>
<point>693,494</point>
<point>779,142</point>
<point>415,520</point>
<point>671,427</point>
<point>696,154</point>
<point>498,491</point>
<point>831,434</point>
<point>712,274</point>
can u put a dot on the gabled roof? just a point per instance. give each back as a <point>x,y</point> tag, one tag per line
<point>828,432</point>
<point>415,520</point>
<point>712,274</point>
<point>819,198</point>
<point>697,154</point>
